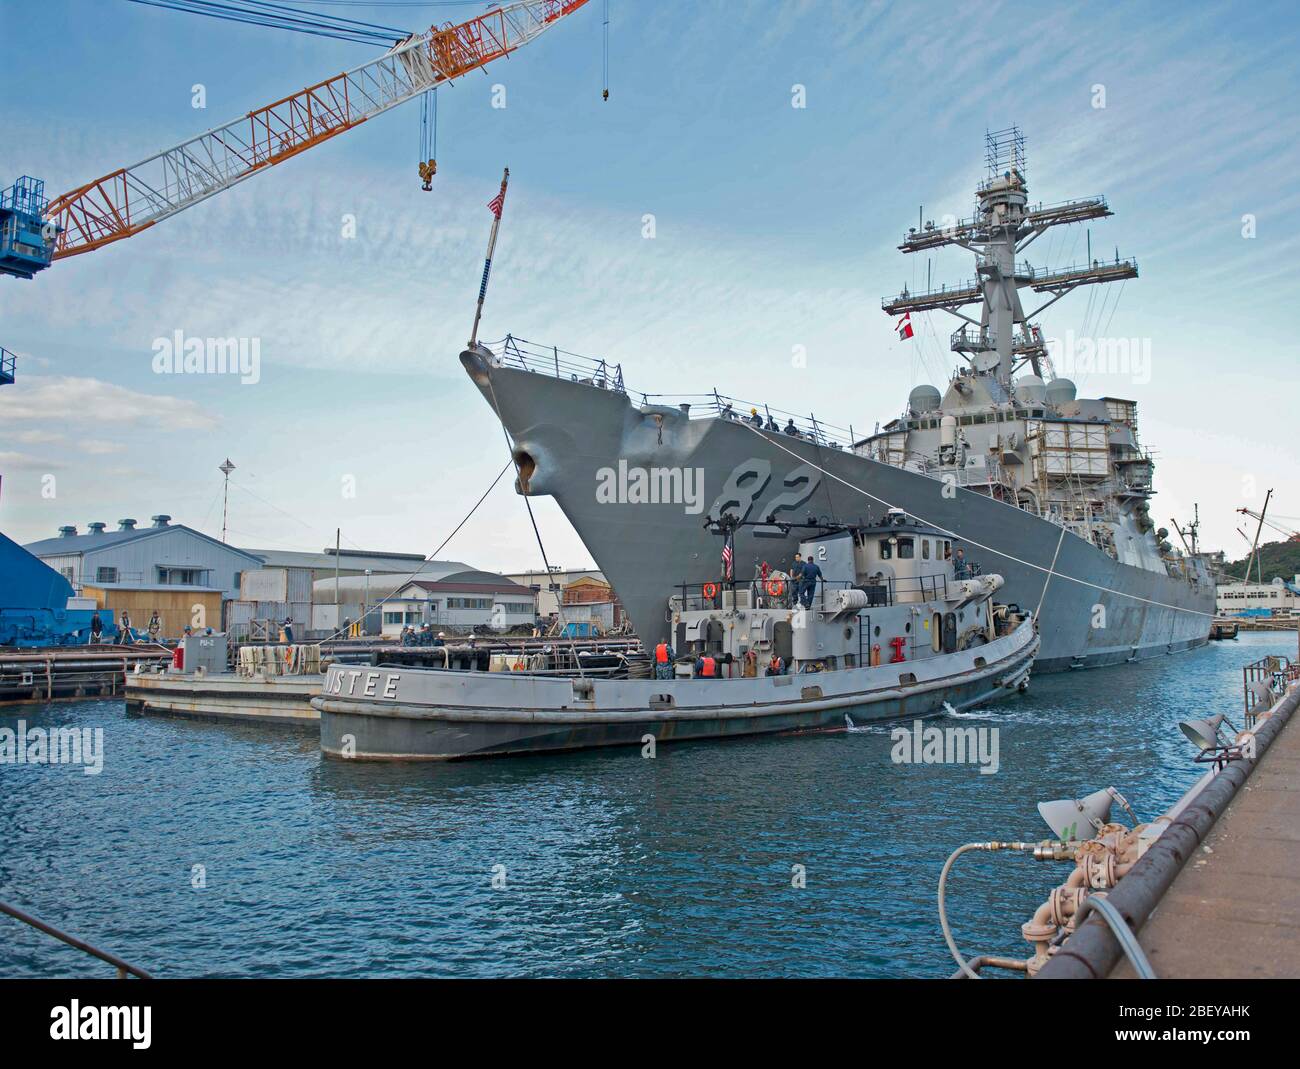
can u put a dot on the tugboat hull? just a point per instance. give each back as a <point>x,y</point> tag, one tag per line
<point>403,714</point>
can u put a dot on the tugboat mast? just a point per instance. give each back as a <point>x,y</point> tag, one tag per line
<point>1004,225</point>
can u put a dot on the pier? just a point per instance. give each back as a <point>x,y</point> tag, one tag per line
<point>1239,892</point>
<point>1216,895</point>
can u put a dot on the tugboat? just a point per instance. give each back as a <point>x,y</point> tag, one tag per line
<point>890,627</point>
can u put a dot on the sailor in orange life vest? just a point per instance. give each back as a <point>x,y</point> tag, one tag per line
<point>706,667</point>
<point>776,666</point>
<point>664,656</point>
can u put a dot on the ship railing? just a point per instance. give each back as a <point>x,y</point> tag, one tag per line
<point>557,363</point>
<point>887,590</point>
<point>972,339</point>
<point>881,591</point>
<point>1075,274</point>
<point>8,366</point>
<point>806,426</point>
<point>964,290</point>
<point>992,473</point>
<point>715,405</point>
<point>715,594</point>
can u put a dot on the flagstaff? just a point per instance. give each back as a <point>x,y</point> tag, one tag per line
<point>495,205</point>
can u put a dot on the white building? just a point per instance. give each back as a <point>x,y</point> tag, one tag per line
<point>1277,596</point>
<point>461,600</point>
<point>446,594</point>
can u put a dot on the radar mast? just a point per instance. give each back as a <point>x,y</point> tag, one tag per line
<point>1004,225</point>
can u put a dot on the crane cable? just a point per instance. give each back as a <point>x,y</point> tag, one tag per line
<point>284,17</point>
<point>605,57</point>
<point>428,138</point>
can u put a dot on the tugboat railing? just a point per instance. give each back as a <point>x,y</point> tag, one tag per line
<point>883,592</point>
<point>123,968</point>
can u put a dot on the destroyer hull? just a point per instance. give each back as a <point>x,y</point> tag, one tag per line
<point>570,436</point>
<point>402,714</point>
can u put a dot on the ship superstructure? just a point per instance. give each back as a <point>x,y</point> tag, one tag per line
<point>1006,426</point>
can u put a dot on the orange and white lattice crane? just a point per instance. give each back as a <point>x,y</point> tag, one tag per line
<point>133,198</point>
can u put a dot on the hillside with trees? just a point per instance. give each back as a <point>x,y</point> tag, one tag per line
<point>1276,558</point>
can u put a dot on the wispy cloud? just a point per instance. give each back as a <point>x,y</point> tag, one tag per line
<point>11,462</point>
<point>68,400</point>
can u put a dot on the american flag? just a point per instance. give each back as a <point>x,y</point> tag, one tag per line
<point>494,205</point>
<point>726,560</point>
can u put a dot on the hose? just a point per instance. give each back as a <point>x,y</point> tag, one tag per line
<point>1123,933</point>
<point>943,913</point>
<point>943,880</point>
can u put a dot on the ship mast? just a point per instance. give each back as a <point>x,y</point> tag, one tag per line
<point>1003,227</point>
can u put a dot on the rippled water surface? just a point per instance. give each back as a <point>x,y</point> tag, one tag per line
<point>614,865</point>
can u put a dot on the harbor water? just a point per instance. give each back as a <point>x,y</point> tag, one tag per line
<point>206,849</point>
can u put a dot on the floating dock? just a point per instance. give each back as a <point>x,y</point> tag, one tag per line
<point>225,696</point>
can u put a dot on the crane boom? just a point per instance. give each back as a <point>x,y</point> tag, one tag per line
<point>133,198</point>
<point>1291,535</point>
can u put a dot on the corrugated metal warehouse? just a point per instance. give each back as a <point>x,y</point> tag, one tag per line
<point>163,554</point>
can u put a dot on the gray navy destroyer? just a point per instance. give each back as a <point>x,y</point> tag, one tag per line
<point>1048,489</point>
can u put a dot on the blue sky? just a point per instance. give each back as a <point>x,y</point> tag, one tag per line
<point>775,227</point>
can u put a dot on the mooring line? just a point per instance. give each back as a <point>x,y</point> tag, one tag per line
<point>970,541</point>
<point>430,558</point>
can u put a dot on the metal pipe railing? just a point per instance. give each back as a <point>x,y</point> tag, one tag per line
<point>123,967</point>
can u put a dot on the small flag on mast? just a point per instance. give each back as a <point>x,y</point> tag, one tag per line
<point>904,327</point>
<point>496,203</point>
<point>727,560</point>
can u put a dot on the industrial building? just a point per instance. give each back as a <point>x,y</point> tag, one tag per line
<point>1276,598</point>
<point>590,606</point>
<point>192,579</point>
<point>182,573</point>
<point>282,589</point>
<point>550,585</point>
